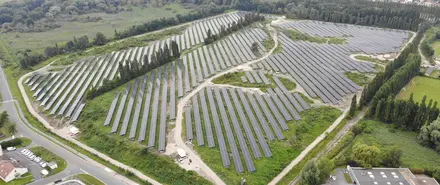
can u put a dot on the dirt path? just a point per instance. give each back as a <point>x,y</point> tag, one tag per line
<point>196,160</point>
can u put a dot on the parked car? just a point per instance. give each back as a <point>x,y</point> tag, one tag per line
<point>23,151</point>
<point>37,159</point>
<point>11,148</point>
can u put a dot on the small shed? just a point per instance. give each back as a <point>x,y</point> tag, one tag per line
<point>52,165</point>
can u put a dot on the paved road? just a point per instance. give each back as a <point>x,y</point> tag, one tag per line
<point>75,164</point>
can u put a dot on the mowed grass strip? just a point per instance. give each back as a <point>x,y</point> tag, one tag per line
<point>421,86</point>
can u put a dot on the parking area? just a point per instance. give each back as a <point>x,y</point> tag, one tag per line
<point>33,167</point>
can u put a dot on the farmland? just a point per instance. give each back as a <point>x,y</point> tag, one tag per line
<point>421,86</point>
<point>239,131</point>
<point>37,41</point>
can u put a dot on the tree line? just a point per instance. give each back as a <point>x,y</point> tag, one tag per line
<point>373,87</point>
<point>248,19</point>
<point>129,70</point>
<point>430,137</point>
<point>426,48</point>
<point>406,113</point>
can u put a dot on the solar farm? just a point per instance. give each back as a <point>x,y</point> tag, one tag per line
<point>243,125</point>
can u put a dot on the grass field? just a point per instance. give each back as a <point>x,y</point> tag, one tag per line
<point>297,35</point>
<point>313,123</point>
<point>421,86</point>
<point>48,156</point>
<point>235,80</point>
<point>436,46</point>
<point>414,155</point>
<point>369,59</point>
<point>108,24</point>
<point>358,78</point>
<point>88,179</point>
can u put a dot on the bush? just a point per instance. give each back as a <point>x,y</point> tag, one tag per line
<point>10,143</point>
<point>417,170</point>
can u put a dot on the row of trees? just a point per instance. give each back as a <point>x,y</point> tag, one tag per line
<point>129,70</point>
<point>248,19</point>
<point>371,88</point>
<point>4,122</point>
<point>406,113</point>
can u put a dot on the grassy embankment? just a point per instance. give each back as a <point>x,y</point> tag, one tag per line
<point>370,59</point>
<point>88,179</point>
<point>297,35</point>
<point>37,41</point>
<point>421,86</point>
<point>313,123</point>
<point>48,156</point>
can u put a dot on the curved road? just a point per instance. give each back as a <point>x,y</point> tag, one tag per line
<point>196,160</point>
<point>75,163</point>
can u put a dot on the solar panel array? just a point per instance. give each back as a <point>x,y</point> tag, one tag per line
<point>364,39</point>
<point>66,90</point>
<point>241,119</point>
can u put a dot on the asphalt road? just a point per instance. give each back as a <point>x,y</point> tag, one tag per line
<point>75,163</point>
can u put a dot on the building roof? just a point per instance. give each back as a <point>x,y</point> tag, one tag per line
<point>6,167</point>
<point>389,176</point>
<point>379,176</point>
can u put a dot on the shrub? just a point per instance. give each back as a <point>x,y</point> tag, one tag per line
<point>10,143</point>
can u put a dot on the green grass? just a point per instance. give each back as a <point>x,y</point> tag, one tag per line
<point>370,59</point>
<point>297,35</point>
<point>421,86</point>
<point>348,178</point>
<point>278,49</point>
<point>235,80</point>
<point>120,21</point>
<point>358,78</point>
<point>48,156</point>
<point>88,179</point>
<point>314,122</point>
<point>269,43</point>
<point>414,155</point>
<point>436,46</point>
<point>434,74</point>
<point>24,142</point>
<point>289,84</point>
<point>27,178</point>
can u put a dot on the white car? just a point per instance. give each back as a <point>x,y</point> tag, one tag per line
<point>11,148</point>
<point>23,151</point>
<point>37,159</point>
<point>43,164</point>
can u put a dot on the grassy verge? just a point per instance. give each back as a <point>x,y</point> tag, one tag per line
<point>370,59</point>
<point>48,156</point>
<point>87,179</point>
<point>289,84</point>
<point>358,78</point>
<point>24,142</point>
<point>421,86</point>
<point>313,123</point>
<point>297,35</point>
<point>25,179</point>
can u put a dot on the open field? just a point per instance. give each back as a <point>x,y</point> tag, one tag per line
<point>421,86</point>
<point>414,155</point>
<point>108,24</point>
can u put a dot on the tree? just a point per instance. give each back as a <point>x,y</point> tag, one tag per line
<point>254,48</point>
<point>353,106</point>
<point>3,118</point>
<point>430,135</point>
<point>100,39</point>
<point>366,156</point>
<point>391,157</point>
<point>11,128</point>
<point>310,174</point>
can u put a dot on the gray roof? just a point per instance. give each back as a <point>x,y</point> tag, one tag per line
<point>379,176</point>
